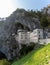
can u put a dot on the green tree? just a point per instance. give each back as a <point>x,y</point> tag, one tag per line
<point>44,22</point>
<point>39,14</point>
<point>48,18</point>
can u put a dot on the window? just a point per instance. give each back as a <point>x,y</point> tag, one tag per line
<point>39,36</point>
<point>39,31</point>
<point>21,36</point>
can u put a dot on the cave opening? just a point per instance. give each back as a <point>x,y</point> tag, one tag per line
<point>21,26</point>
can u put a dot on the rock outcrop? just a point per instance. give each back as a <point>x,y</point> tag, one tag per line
<point>8,44</point>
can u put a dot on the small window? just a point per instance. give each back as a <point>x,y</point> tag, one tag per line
<point>39,31</point>
<point>39,36</point>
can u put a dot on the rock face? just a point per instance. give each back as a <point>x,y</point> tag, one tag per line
<point>8,44</point>
<point>46,10</point>
<point>19,16</point>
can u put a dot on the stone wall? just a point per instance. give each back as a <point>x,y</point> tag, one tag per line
<point>44,41</point>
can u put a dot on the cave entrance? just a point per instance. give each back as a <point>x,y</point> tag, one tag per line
<point>2,55</point>
<point>19,26</point>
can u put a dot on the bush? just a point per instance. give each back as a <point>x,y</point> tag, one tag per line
<point>4,62</point>
<point>26,48</point>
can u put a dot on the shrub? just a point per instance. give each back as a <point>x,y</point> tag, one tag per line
<point>4,62</point>
<point>26,48</point>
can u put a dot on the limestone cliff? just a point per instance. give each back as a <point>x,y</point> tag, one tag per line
<point>9,26</point>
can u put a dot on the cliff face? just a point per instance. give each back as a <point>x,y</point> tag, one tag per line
<point>20,16</point>
<point>46,10</point>
<point>7,42</point>
<point>8,27</point>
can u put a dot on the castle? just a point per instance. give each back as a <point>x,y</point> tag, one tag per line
<point>37,36</point>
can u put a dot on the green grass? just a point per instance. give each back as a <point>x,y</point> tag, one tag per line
<point>37,57</point>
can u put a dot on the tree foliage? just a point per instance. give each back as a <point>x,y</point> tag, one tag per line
<point>44,22</point>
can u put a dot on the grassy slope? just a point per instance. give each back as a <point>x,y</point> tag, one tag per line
<point>38,57</point>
